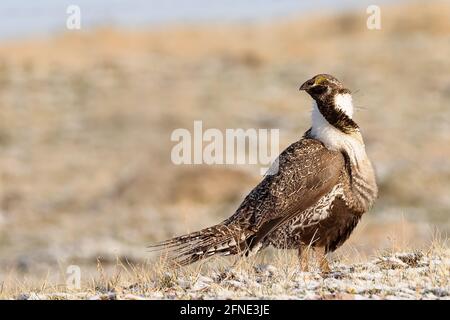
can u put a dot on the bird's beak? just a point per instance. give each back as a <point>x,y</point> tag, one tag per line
<point>305,86</point>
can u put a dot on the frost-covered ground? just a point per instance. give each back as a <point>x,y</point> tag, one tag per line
<point>411,275</point>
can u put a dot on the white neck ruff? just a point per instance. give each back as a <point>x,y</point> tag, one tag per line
<point>333,138</point>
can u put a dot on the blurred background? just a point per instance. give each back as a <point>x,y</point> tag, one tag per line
<point>86,117</point>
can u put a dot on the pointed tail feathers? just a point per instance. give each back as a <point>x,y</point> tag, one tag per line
<point>219,239</point>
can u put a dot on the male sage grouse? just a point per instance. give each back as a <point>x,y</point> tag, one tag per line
<point>323,185</point>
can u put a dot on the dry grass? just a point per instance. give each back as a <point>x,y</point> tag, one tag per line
<point>274,275</point>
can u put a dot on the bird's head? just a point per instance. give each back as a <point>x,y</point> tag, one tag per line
<point>332,100</point>
<point>322,86</point>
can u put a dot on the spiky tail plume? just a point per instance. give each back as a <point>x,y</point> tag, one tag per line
<point>219,239</point>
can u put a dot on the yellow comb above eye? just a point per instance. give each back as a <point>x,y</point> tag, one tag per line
<point>319,80</point>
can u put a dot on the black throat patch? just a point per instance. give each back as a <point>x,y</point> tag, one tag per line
<point>332,114</point>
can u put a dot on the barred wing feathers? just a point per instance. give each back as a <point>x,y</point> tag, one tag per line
<point>307,172</point>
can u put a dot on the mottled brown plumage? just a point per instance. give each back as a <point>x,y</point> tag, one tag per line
<point>323,185</point>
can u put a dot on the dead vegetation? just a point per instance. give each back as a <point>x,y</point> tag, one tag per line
<point>276,275</point>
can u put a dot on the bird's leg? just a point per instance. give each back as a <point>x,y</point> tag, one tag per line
<point>303,255</point>
<point>321,257</point>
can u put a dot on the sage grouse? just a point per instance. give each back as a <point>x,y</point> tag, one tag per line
<point>323,185</point>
